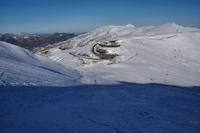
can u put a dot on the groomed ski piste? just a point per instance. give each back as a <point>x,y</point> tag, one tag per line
<point>115,79</point>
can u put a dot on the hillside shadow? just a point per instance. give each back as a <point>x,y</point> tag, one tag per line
<point>118,108</point>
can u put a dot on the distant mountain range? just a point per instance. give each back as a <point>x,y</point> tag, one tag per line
<point>165,54</point>
<point>30,41</point>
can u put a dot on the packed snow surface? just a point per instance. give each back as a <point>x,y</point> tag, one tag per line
<point>18,66</point>
<point>167,54</point>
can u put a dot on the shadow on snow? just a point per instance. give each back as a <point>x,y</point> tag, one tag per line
<point>120,108</point>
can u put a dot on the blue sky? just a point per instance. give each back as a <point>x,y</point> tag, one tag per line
<point>47,16</point>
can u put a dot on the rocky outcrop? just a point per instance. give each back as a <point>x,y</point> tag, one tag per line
<point>106,50</point>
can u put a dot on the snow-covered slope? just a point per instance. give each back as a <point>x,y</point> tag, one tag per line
<point>166,54</point>
<point>20,67</point>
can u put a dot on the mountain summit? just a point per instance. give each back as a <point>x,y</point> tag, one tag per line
<point>166,54</point>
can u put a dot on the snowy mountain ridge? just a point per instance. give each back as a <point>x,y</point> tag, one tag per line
<point>112,31</point>
<point>167,54</point>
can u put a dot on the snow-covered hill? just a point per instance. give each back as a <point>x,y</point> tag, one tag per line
<point>20,67</point>
<point>166,54</point>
